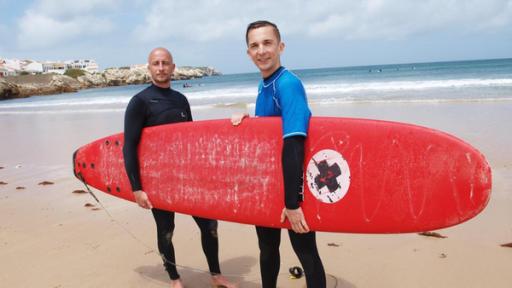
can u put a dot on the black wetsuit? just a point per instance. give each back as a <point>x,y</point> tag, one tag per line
<point>156,106</point>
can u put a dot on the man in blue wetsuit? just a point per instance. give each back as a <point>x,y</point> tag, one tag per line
<point>281,93</point>
<point>156,105</point>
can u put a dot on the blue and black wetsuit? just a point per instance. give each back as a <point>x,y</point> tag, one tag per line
<point>282,94</point>
<point>157,106</point>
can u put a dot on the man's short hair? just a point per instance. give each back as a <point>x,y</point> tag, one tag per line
<point>259,24</point>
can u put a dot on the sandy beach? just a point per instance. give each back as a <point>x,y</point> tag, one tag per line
<point>49,238</point>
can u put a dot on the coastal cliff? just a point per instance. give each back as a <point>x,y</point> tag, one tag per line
<point>29,85</point>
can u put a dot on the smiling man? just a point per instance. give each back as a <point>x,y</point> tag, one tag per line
<point>281,93</point>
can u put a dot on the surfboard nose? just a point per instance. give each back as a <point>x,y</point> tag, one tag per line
<point>75,164</point>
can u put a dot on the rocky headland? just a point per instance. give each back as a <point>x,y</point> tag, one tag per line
<point>44,84</point>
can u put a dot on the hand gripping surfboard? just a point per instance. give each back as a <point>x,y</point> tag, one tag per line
<point>360,176</point>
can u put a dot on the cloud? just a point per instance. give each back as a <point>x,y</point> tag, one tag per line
<point>3,35</point>
<point>196,20</point>
<point>63,8</point>
<point>3,29</point>
<point>50,23</point>
<point>203,20</point>
<point>38,31</point>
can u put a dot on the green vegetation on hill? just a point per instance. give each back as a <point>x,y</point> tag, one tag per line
<point>74,73</point>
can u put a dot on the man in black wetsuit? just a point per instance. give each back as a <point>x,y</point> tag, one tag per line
<point>156,105</point>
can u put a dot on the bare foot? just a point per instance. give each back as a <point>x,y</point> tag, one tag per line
<point>177,284</point>
<point>220,281</point>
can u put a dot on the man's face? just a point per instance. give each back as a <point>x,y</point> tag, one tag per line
<point>264,49</point>
<point>161,67</point>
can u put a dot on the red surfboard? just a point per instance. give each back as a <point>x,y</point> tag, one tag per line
<point>361,176</point>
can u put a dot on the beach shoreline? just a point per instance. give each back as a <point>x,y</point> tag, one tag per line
<point>48,238</point>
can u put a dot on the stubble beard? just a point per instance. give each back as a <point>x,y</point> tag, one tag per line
<point>162,81</point>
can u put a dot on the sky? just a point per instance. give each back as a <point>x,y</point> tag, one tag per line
<point>317,34</point>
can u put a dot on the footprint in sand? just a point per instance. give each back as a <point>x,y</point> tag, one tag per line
<point>92,206</point>
<point>79,192</point>
<point>432,234</point>
<point>46,183</point>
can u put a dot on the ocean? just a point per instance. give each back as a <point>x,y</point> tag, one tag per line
<point>436,82</point>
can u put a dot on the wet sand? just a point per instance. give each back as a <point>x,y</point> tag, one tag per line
<point>49,238</point>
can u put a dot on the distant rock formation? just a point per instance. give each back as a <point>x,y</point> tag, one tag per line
<point>8,90</point>
<point>138,74</point>
<point>187,72</point>
<point>28,85</point>
<point>92,80</point>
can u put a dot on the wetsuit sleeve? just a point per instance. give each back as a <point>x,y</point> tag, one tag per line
<point>133,125</point>
<point>293,171</point>
<point>189,111</point>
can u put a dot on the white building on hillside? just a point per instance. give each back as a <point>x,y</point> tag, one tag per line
<point>9,67</point>
<point>54,67</point>
<point>12,67</point>
<point>14,64</point>
<point>88,65</point>
<point>6,71</point>
<point>2,68</point>
<point>33,67</point>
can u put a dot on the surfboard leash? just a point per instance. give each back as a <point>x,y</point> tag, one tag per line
<point>294,272</point>
<point>134,237</point>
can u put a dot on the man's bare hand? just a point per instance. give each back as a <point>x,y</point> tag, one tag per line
<point>236,119</point>
<point>142,199</point>
<point>296,218</point>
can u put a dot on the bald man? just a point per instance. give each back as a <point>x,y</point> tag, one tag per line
<point>156,105</point>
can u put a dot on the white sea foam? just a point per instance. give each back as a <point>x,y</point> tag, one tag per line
<point>63,102</point>
<point>342,91</point>
<point>223,94</point>
<point>331,101</point>
<point>345,88</point>
<point>63,111</point>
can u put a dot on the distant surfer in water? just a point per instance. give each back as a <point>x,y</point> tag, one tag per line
<point>156,105</point>
<point>281,93</point>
